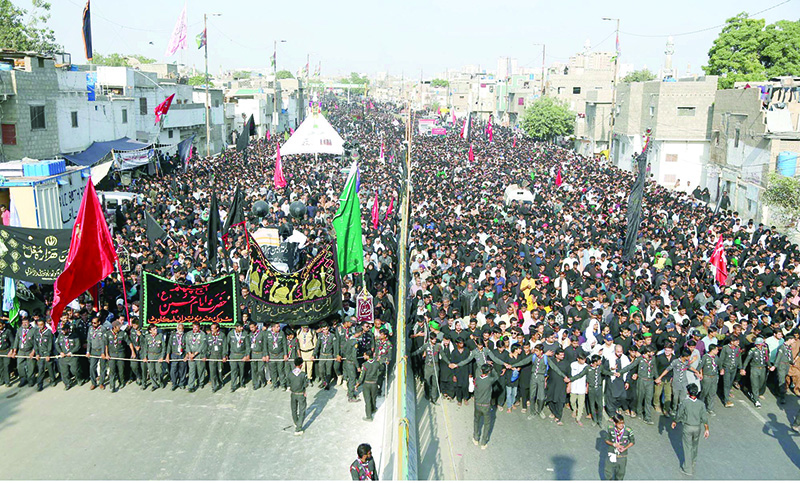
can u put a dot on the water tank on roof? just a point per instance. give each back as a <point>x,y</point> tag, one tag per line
<point>787,163</point>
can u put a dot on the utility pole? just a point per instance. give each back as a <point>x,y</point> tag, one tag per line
<point>614,92</point>
<point>543,66</point>
<point>208,96</point>
<point>275,117</point>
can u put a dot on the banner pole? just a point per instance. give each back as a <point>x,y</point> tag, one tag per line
<point>124,292</point>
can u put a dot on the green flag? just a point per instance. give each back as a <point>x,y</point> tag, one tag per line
<point>13,314</point>
<point>347,223</point>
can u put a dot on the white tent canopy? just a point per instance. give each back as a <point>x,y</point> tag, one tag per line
<point>314,136</point>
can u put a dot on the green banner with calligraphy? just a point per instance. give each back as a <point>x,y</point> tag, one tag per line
<point>32,254</point>
<point>166,303</point>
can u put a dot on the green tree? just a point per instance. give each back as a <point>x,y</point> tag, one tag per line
<point>642,75</point>
<point>27,31</point>
<point>120,60</point>
<point>439,83</point>
<point>199,80</point>
<point>783,194</point>
<point>547,118</point>
<point>285,74</point>
<point>749,50</point>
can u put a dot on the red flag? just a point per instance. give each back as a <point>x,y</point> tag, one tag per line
<point>720,262</point>
<point>491,133</point>
<point>375,214</point>
<point>515,142</point>
<point>389,210</point>
<point>91,255</point>
<point>454,117</point>
<point>269,135</point>
<point>470,154</point>
<point>558,178</point>
<point>163,108</point>
<point>280,181</point>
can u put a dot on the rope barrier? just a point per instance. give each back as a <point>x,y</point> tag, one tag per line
<point>111,358</point>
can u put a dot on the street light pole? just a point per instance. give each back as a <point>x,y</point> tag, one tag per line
<point>614,92</point>
<point>544,47</point>
<point>275,118</point>
<point>208,96</point>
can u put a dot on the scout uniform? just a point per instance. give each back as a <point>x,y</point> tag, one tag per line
<point>618,461</point>
<point>44,348</point>
<point>483,407</point>
<point>783,361</point>
<point>298,382</point>
<point>645,387</point>
<point>195,343</point>
<point>68,344</point>
<point>430,357</point>
<point>594,390</point>
<point>6,343</point>
<point>155,348</point>
<point>238,349</point>
<point>363,471</point>
<point>293,350</point>
<point>693,414</point>
<point>758,361</point>
<point>350,355</point>
<point>139,368</point>
<point>176,352</point>
<point>710,383</point>
<point>116,344</point>
<point>327,348</point>
<point>730,358</point>
<point>277,352</point>
<point>256,343</point>
<point>383,355</point>
<point>370,372</point>
<point>23,347</point>
<point>96,347</point>
<point>217,349</point>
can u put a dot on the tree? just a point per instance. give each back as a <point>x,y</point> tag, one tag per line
<point>642,75</point>
<point>783,194</point>
<point>27,31</point>
<point>241,74</point>
<point>284,74</point>
<point>547,118</point>
<point>749,50</point>
<point>439,83</point>
<point>199,80</point>
<point>120,60</point>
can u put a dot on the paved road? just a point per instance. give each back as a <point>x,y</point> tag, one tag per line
<point>745,443</point>
<point>145,435</point>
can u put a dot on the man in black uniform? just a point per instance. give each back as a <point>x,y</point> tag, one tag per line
<point>483,405</point>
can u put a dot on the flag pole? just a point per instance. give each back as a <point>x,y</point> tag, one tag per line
<point>208,98</point>
<point>124,292</point>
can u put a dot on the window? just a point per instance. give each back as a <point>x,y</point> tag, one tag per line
<point>671,158</point>
<point>37,117</point>
<point>716,138</point>
<point>576,90</point>
<point>560,90</point>
<point>142,106</point>
<point>670,178</point>
<point>124,116</point>
<point>41,63</point>
<point>74,116</point>
<point>10,134</point>
<point>521,101</point>
<point>526,85</point>
<point>686,111</point>
<point>652,111</point>
<point>736,138</point>
<point>170,133</point>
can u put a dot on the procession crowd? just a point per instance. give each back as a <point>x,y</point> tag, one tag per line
<point>528,304</point>
<point>114,347</point>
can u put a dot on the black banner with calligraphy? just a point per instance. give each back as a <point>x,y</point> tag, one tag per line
<point>166,302</point>
<point>32,254</point>
<point>304,297</point>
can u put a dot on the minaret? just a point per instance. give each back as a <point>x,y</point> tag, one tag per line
<point>668,71</point>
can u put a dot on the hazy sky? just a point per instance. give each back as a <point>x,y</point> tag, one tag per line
<point>406,35</point>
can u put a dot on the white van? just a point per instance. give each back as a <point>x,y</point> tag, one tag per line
<point>112,199</point>
<point>515,193</point>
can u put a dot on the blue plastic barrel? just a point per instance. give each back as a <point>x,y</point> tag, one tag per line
<point>787,163</point>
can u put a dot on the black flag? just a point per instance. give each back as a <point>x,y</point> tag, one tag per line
<point>235,214</point>
<point>213,229</point>
<point>244,137</point>
<point>635,206</point>
<point>154,230</point>
<point>252,123</point>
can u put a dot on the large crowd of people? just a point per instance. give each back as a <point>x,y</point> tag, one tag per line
<point>534,293</point>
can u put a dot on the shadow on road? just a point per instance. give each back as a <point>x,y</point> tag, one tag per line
<point>563,466</point>
<point>785,436</point>
<point>674,437</point>
<point>321,399</point>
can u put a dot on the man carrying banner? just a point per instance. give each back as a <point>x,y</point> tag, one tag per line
<point>155,351</point>
<point>238,351</point>
<point>195,351</point>
<point>176,358</point>
<point>277,355</point>
<point>298,382</point>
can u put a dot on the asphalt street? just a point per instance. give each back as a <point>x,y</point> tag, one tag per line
<point>143,435</point>
<point>745,444</point>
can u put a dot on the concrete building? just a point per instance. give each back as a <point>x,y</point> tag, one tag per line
<point>514,96</point>
<point>749,132</point>
<point>49,110</point>
<point>679,115</point>
<point>256,96</point>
